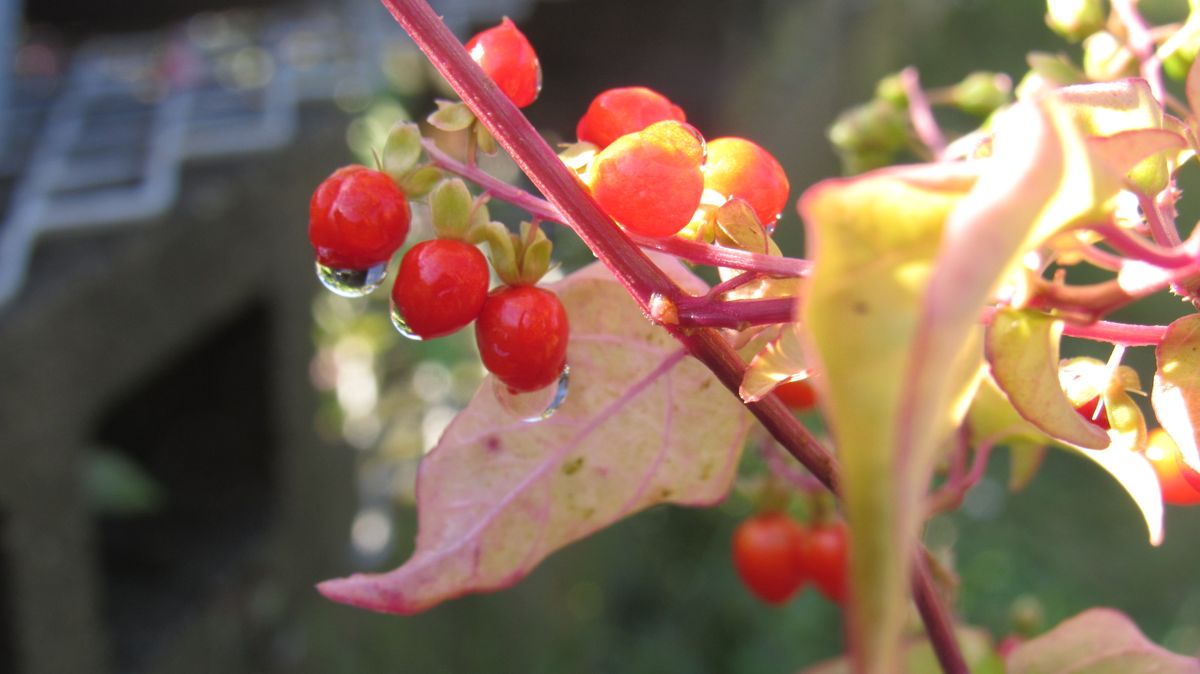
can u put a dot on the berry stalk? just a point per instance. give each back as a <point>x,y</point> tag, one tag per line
<point>634,270</point>
<point>691,251</point>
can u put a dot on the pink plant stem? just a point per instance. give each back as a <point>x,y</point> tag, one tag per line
<point>732,284</point>
<point>699,253</point>
<point>1133,246</point>
<point>951,494</point>
<point>636,272</point>
<point>1141,41</point>
<point>1124,334</point>
<point>921,114</point>
<point>1164,233</point>
<point>773,457</point>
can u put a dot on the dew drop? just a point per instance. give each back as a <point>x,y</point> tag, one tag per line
<point>352,282</point>
<point>536,405</point>
<point>401,325</point>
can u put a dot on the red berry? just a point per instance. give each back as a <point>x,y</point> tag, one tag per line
<point>357,218</point>
<point>650,181</point>
<point>506,56</point>
<point>617,112</point>
<point>440,287</point>
<point>766,554</point>
<point>798,395</point>
<point>737,167</point>
<point>1163,454</point>
<point>823,556</point>
<point>1088,410</point>
<point>522,336</point>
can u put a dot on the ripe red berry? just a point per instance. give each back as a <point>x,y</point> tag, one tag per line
<point>737,167</point>
<point>357,218</point>
<point>766,555</point>
<point>824,558</point>
<point>506,56</point>
<point>1163,454</point>
<point>617,112</point>
<point>1088,410</point>
<point>650,181</point>
<point>440,287</point>
<point>798,395</point>
<point>522,336</point>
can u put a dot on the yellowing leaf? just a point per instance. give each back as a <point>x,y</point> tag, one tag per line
<point>1022,347</point>
<point>1097,641</point>
<point>641,425</point>
<point>780,360</point>
<point>904,261</point>
<point>1176,395</point>
<point>1108,108</point>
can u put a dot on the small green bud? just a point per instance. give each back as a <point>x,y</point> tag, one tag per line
<point>876,125</point>
<point>1105,58</point>
<point>484,141</point>
<point>982,93</point>
<point>890,89</point>
<point>1075,19</point>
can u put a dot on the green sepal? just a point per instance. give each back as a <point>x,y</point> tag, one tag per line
<point>890,90</point>
<point>401,150</point>
<point>738,227</point>
<point>451,116</point>
<point>450,206</point>
<point>1075,19</point>
<point>502,245</point>
<point>419,181</point>
<point>578,156</point>
<point>1106,58</point>
<point>535,256</point>
<point>982,93</point>
<point>484,142</point>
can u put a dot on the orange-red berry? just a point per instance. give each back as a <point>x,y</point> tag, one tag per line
<point>617,112</point>
<point>506,56</point>
<point>737,167</point>
<point>522,336</point>
<point>651,181</point>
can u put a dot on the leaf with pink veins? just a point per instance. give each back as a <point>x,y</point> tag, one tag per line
<point>642,424</point>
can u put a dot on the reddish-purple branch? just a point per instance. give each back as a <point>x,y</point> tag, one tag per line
<point>921,114</point>
<point>641,277</point>
<point>700,253</point>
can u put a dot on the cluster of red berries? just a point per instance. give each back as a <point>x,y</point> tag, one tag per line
<point>653,172</point>
<point>775,556</point>
<point>1180,484</point>
<point>359,218</point>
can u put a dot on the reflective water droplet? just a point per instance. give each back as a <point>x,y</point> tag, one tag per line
<point>535,405</point>
<point>402,326</point>
<point>352,282</point>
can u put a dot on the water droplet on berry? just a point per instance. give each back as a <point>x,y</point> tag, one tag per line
<point>352,282</point>
<point>536,405</point>
<point>402,326</point>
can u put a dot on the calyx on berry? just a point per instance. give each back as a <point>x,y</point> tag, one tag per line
<point>519,259</point>
<point>399,159</point>
<point>456,215</point>
<point>522,334</point>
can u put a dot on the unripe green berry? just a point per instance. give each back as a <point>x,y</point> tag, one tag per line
<point>1075,19</point>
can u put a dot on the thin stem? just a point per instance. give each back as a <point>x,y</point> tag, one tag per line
<point>1141,41</point>
<point>952,493</point>
<point>1125,334</point>
<point>736,314</point>
<point>1133,246</point>
<point>921,114</point>
<point>691,251</point>
<point>641,278</point>
<point>1164,233</point>
<point>732,284</point>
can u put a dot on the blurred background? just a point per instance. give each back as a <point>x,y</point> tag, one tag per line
<point>192,433</point>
